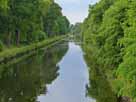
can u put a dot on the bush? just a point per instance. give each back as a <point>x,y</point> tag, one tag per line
<point>40,35</point>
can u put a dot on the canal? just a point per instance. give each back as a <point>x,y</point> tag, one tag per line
<point>70,85</point>
<point>56,74</point>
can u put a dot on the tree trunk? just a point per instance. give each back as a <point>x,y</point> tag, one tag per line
<point>9,39</point>
<point>17,37</point>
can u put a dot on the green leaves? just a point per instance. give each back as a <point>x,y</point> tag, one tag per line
<point>24,18</point>
<point>110,27</point>
<point>4,4</point>
<point>1,46</point>
<point>54,22</point>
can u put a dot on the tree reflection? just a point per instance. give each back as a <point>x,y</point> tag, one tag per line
<point>100,88</point>
<point>24,81</point>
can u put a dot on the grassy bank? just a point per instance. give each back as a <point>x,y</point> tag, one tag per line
<point>12,53</point>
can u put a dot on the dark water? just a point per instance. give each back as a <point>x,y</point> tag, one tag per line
<point>57,74</point>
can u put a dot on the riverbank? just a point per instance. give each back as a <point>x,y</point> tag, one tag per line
<point>10,54</point>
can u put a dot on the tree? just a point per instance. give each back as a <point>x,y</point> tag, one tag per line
<point>24,22</point>
<point>110,35</point>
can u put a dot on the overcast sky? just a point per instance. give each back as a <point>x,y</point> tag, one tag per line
<point>75,10</point>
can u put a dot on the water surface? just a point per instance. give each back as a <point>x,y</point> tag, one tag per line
<point>70,85</point>
<point>56,74</point>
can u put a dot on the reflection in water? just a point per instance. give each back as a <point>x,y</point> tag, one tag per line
<point>24,81</point>
<point>49,76</point>
<point>100,88</point>
<point>73,77</point>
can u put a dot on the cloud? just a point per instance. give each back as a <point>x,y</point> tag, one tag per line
<point>75,10</point>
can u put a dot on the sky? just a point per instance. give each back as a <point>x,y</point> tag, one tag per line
<point>75,10</point>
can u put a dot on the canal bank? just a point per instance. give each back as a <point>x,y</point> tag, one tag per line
<point>24,51</point>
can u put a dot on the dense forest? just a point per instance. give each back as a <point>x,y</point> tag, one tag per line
<point>23,22</point>
<point>109,34</point>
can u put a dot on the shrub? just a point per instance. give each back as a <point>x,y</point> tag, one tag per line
<point>40,35</point>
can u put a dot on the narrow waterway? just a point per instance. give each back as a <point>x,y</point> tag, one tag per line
<point>70,85</point>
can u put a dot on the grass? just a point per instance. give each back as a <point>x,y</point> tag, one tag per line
<point>13,52</point>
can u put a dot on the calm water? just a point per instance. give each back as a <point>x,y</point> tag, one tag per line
<point>56,74</point>
<point>70,85</point>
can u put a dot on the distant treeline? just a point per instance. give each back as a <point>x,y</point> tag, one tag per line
<point>28,21</point>
<point>110,36</point>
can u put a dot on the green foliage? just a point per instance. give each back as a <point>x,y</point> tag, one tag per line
<point>55,23</point>
<point>110,31</point>
<point>40,35</point>
<point>76,31</point>
<point>20,20</point>
<point>13,52</point>
<point>1,46</point>
<point>4,4</point>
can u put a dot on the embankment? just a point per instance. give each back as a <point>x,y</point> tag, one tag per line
<point>10,55</point>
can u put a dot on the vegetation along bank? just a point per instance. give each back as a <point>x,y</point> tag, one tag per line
<point>109,34</point>
<point>27,25</point>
